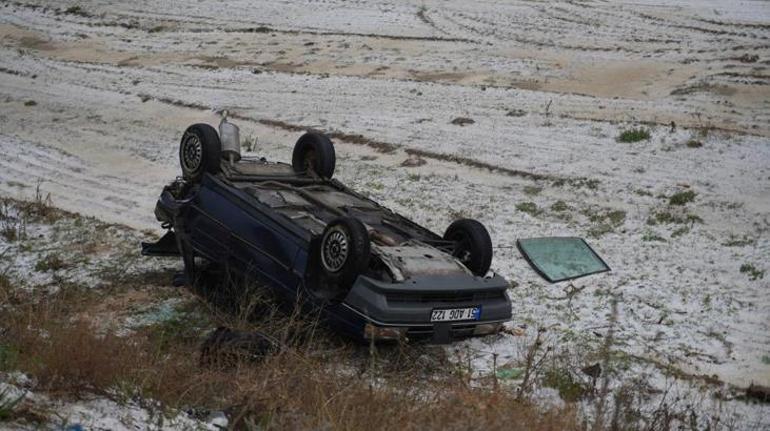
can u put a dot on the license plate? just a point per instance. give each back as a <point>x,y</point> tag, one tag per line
<point>453,314</point>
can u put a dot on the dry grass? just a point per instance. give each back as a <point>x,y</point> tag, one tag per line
<point>15,215</point>
<point>316,382</point>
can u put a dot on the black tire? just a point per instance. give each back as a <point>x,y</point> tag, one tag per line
<point>200,151</point>
<point>314,152</point>
<point>473,246</point>
<point>342,254</point>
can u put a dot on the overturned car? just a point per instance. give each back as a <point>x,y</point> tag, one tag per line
<point>374,274</point>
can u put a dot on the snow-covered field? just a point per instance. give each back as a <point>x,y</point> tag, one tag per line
<point>93,100</point>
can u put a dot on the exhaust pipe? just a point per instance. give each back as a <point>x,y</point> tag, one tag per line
<point>230,136</point>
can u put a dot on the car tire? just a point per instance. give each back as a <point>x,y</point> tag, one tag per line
<point>472,245</point>
<point>314,152</point>
<point>200,151</point>
<point>342,255</point>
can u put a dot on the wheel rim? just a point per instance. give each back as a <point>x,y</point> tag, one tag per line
<point>334,250</point>
<point>192,153</point>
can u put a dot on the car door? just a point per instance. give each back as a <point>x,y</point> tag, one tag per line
<point>248,237</point>
<point>209,236</point>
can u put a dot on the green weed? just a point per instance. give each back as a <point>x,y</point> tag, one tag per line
<point>681,231</point>
<point>605,220</point>
<point>682,198</point>
<point>738,242</point>
<point>634,135</point>
<point>616,217</point>
<point>652,236</point>
<point>532,190</point>
<point>563,381</point>
<point>666,217</point>
<point>752,271</point>
<point>559,206</point>
<point>600,230</point>
<point>529,208</point>
<point>642,192</point>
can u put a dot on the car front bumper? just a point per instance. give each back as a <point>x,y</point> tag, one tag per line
<point>403,310</point>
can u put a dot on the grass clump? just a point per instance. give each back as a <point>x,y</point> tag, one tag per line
<point>642,192</point>
<point>634,135</point>
<point>8,356</point>
<point>591,184</point>
<point>51,262</point>
<point>559,206</point>
<point>616,217</point>
<point>9,233</point>
<point>532,190</point>
<point>600,230</point>
<point>570,389</point>
<point>529,208</point>
<point>738,241</point>
<point>682,198</point>
<point>752,271</point>
<point>77,10</point>
<point>605,220</point>
<point>293,388</point>
<point>652,236</point>
<point>261,29</point>
<point>680,232</point>
<point>667,217</point>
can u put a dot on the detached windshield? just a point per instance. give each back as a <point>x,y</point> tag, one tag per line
<point>560,259</point>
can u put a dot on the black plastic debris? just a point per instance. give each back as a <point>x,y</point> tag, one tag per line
<point>226,347</point>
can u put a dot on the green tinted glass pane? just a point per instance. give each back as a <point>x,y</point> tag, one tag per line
<point>559,259</point>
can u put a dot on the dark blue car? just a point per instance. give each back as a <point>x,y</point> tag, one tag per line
<point>375,274</point>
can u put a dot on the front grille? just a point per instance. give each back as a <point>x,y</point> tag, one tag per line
<point>442,297</point>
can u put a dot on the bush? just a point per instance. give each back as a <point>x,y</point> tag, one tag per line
<point>634,135</point>
<point>682,198</point>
